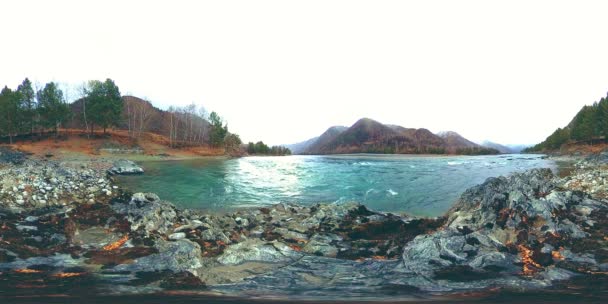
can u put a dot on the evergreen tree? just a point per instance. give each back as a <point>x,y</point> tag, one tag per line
<point>584,125</point>
<point>104,103</point>
<point>602,117</point>
<point>27,104</point>
<point>218,130</point>
<point>52,107</point>
<point>9,112</point>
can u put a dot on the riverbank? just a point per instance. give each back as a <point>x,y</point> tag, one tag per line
<point>530,233</point>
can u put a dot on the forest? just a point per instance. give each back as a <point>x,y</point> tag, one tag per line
<point>590,125</point>
<point>26,112</point>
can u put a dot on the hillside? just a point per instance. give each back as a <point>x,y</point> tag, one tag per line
<point>139,116</point>
<point>588,127</point>
<point>370,136</point>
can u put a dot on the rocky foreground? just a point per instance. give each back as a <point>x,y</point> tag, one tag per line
<point>71,230</point>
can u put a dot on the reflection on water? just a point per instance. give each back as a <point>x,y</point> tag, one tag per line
<point>416,185</point>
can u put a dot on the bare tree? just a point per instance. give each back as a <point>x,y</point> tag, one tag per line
<point>82,93</point>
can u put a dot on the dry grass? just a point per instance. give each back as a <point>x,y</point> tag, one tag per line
<point>74,142</point>
<point>584,148</point>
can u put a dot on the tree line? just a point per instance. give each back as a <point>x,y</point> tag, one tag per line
<point>25,111</point>
<point>260,148</point>
<point>589,125</point>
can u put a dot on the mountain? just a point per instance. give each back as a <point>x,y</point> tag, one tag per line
<point>504,149</point>
<point>326,138</point>
<point>370,136</point>
<point>517,148</point>
<point>299,148</point>
<point>501,148</point>
<point>453,139</point>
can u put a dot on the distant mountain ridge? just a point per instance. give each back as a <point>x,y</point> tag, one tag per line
<point>370,136</point>
<point>504,149</point>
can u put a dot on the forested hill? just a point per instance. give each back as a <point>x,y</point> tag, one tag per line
<point>589,125</point>
<point>370,136</point>
<point>27,113</point>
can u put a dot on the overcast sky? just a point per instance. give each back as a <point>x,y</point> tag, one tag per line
<point>284,71</point>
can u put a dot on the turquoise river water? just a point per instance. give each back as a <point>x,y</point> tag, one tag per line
<point>417,185</point>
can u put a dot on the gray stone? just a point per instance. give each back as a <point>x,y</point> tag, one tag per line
<point>322,245</point>
<point>178,256</point>
<point>124,167</point>
<point>147,212</point>
<point>26,228</point>
<point>254,250</point>
<point>177,236</point>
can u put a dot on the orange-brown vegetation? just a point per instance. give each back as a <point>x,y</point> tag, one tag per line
<point>529,265</point>
<point>78,142</point>
<point>117,244</point>
<point>583,148</point>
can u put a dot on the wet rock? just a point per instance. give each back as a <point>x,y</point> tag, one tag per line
<point>124,167</point>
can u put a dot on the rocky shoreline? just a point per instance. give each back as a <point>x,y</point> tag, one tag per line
<point>69,229</point>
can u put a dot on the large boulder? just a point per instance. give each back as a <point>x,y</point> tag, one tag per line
<point>179,256</point>
<point>145,211</point>
<point>125,167</point>
<point>258,251</point>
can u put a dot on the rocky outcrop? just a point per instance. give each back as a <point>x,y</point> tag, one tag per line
<point>125,167</point>
<point>523,230</point>
<point>146,212</point>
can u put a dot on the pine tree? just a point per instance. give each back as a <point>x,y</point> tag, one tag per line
<point>52,107</point>
<point>9,111</point>
<point>104,103</point>
<point>218,130</point>
<point>27,104</point>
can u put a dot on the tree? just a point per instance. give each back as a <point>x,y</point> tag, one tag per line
<point>232,142</point>
<point>218,130</point>
<point>104,103</point>
<point>27,103</point>
<point>9,111</point>
<point>584,124</point>
<point>602,116</point>
<point>52,107</point>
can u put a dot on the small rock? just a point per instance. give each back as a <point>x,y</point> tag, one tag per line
<point>31,219</point>
<point>177,236</point>
<point>26,228</point>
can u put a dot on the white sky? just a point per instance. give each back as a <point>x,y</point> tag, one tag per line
<point>284,71</point>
